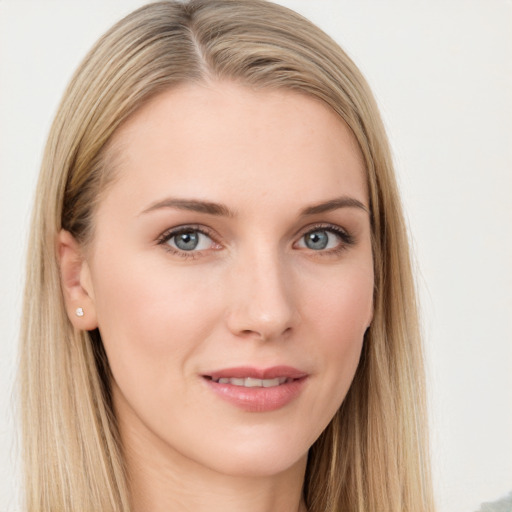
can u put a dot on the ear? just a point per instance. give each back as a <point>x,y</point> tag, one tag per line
<point>370,319</point>
<point>76,283</point>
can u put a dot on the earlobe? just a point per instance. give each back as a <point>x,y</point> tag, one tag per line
<point>76,283</point>
<point>370,317</point>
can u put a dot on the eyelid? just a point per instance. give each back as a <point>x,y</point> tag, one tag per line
<point>163,238</point>
<point>176,230</point>
<point>346,238</point>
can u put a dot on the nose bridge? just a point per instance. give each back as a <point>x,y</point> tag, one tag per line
<point>263,303</point>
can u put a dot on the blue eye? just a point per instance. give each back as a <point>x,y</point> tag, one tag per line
<point>317,240</point>
<point>325,239</point>
<point>188,240</point>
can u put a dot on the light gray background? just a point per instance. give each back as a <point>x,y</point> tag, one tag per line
<point>442,74</point>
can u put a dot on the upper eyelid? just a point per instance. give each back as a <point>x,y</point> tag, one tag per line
<point>346,237</point>
<point>322,225</point>
<point>169,233</point>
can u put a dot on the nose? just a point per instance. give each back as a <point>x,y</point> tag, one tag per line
<point>262,299</point>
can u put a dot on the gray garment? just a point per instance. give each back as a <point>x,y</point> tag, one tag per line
<point>503,505</point>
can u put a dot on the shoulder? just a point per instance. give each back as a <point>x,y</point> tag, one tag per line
<point>503,505</point>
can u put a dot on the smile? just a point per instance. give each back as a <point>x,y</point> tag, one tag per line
<point>250,382</point>
<point>257,390</point>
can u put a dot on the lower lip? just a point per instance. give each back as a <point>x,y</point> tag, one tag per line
<point>258,399</point>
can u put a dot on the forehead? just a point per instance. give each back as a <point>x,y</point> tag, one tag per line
<point>222,140</point>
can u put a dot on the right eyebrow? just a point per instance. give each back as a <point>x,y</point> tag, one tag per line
<point>192,205</point>
<point>334,204</point>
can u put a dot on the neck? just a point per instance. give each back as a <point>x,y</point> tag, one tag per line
<point>161,479</point>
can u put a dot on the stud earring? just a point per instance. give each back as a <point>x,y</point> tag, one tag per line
<point>79,312</point>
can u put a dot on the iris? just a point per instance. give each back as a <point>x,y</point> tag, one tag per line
<point>187,241</point>
<point>317,240</point>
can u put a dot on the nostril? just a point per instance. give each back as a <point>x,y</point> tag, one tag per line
<point>264,334</point>
<point>261,318</point>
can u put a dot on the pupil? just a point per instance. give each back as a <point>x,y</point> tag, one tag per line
<point>317,240</point>
<point>187,241</point>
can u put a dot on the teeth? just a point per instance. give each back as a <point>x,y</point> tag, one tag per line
<point>249,382</point>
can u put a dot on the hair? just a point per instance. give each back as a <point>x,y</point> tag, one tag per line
<point>374,453</point>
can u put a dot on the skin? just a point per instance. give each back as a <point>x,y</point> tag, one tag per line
<point>252,294</point>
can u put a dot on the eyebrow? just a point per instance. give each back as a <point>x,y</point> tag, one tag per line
<point>221,210</point>
<point>192,205</point>
<point>334,204</point>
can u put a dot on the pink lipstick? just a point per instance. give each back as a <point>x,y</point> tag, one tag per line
<point>257,390</point>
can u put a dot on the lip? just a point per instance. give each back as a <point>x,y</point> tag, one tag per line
<point>257,399</point>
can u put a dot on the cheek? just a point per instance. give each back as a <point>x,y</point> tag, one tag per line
<point>342,305</point>
<point>339,314</point>
<point>148,318</point>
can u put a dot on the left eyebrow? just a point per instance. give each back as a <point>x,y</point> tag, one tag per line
<point>334,204</point>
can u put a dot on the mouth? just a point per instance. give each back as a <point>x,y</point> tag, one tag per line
<point>257,390</point>
<point>250,382</point>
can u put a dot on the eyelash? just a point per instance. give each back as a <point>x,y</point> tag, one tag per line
<point>169,234</point>
<point>346,239</point>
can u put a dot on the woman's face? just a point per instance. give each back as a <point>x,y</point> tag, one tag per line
<point>231,275</point>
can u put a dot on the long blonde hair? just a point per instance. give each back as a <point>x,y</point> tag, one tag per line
<point>373,456</point>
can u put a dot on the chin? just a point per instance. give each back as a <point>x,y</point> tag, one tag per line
<point>260,465</point>
<point>259,455</point>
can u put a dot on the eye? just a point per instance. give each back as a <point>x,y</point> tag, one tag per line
<point>319,240</point>
<point>187,240</point>
<point>327,239</point>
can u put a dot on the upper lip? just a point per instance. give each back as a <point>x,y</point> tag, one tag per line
<point>241,372</point>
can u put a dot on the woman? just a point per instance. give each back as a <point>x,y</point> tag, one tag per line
<point>219,310</point>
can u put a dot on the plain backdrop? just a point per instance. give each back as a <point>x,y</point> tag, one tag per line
<point>442,74</point>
